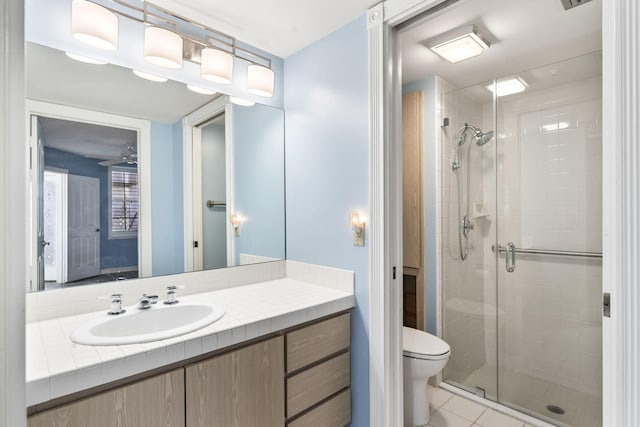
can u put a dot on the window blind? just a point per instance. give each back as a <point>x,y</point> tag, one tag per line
<point>124,200</point>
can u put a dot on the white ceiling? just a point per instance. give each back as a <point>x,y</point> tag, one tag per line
<point>87,140</point>
<point>107,88</point>
<point>530,33</point>
<point>281,27</point>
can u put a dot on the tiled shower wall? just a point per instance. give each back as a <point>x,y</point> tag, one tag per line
<point>547,319</point>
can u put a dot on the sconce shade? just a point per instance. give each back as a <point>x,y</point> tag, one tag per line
<point>163,47</point>
<point>241,101</point>
<point>94,25</point>
<point>260,80</point>
<point>216,66</point>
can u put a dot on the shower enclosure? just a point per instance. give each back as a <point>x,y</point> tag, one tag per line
<point>520,240</point>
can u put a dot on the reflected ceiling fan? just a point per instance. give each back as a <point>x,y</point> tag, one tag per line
<point>128,156</point>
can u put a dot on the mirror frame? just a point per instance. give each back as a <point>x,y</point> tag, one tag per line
<point>143,129</point>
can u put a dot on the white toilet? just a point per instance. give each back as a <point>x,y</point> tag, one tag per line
<point>424,356</point>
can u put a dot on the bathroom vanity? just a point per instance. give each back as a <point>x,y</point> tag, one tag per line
<point>279,357</point>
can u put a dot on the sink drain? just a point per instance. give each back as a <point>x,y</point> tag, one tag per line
<point>555,409</point>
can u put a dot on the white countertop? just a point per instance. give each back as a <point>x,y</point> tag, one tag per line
<point>56,366</point>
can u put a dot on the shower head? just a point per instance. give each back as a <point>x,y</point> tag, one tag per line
<point>482,137</point>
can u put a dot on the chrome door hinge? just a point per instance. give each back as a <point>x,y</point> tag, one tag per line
<point>606,305</point>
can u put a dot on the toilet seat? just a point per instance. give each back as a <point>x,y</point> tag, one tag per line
<point>422,345</point>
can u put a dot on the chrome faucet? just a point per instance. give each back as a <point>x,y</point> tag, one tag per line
<point>116,305</point>
<point>171,295</point>
<point>146,301</point>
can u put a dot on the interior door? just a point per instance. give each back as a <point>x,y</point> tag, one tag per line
<point>84,227</point>
<point>39,172</point>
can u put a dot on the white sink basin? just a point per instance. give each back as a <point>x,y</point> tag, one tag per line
<point>156,323</point>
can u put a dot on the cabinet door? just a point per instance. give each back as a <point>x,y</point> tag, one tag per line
<point>242,388</point>
<point>412,179</point>
<point>157,401</point>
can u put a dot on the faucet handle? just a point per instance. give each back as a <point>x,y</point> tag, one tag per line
<point>116,305</point>
<point>171,295</point>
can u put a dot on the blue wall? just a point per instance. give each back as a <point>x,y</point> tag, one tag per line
<point>258,174</point>
<point>429,170</point>
<point>326,101</point>
<point>113,253</point>
<point>166,198</point>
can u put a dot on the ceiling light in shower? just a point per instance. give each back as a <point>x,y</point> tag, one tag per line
<point>459,44</point>
<point>201,90</point>
<point>508,86</point>
<point>150,77</point>
<point>163,47</point>
<point>84,59</point>
<point>94,25</point>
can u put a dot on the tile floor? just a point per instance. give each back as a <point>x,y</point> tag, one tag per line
<point>450,410</point>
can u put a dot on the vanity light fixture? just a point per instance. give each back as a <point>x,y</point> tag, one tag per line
<point>216,66</point>
<point>170,38</point>
<point>357,222</point>
<point>260,80</point>
<point>201,90</point>
<point>508,86</point>
<point>163,47</point>
<point>94,25</point>
<point>459,44</point>
<point>235,222</point>
<point>84,59</point>
<point>150,77</point>
<point>241,101</point>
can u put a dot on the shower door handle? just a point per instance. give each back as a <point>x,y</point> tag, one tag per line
<point>511,257</point>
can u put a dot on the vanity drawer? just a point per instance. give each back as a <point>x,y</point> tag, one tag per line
<point>335,412</point>
<point>315,384</point>
<point>315,342</point>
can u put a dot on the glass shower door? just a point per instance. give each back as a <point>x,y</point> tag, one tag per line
<point>549,266</point>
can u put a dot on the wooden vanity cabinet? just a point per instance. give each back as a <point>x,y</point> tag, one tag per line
<point>155,401</point>
<point>319,374</point>
<point>300,377</point>
<point>242,388</point>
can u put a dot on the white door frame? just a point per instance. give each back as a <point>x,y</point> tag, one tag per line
<point>143,129</point>
<point>192,181</point>
<point>621,210</point>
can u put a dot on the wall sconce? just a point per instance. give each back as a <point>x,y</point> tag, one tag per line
<point>94,25</point>
<point>235,222</point>
<point>357,226</point>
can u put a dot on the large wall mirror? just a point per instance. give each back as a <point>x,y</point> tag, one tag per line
<point>135,178</point>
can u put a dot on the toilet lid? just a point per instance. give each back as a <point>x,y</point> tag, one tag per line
<point>420,344</point>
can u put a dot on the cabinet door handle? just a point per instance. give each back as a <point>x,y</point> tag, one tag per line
<point>511,257</point>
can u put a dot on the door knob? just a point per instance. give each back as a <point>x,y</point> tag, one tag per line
<point>45,243</point>
<point>97,230</point>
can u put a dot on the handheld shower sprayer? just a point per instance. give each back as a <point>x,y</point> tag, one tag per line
<point>465,225</point>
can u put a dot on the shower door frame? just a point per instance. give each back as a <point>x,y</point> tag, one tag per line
<point>621,129</point>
